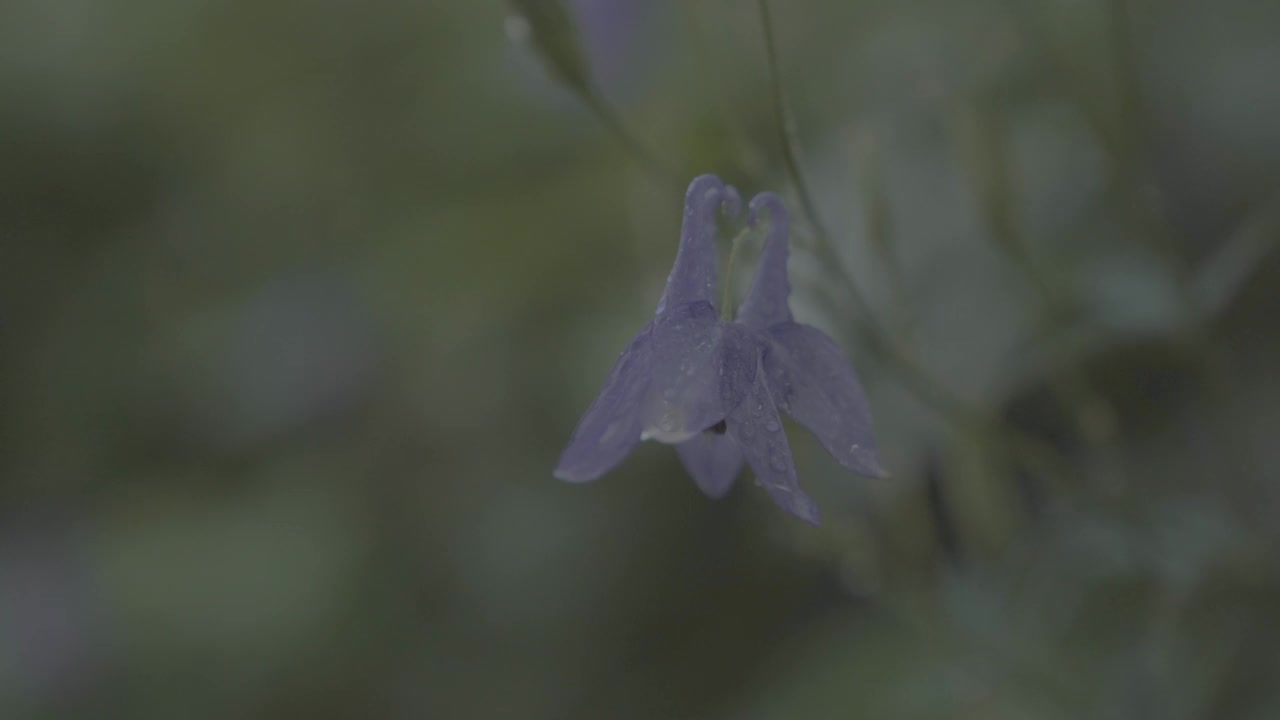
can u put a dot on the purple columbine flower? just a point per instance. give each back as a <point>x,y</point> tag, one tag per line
<point>714,388</point>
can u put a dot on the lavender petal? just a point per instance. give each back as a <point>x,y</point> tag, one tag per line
<point>611,427</point>
<point>713,461</point>
<point>684,395</point>
<point>693,276</point>
<point>757,429</point>
<point>813,382</point>
<point>766,301</point>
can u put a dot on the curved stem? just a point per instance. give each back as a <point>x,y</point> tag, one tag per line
<point>786,129</point>
<point>865,323</point>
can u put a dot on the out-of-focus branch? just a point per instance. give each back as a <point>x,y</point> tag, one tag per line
<point>547,26</point>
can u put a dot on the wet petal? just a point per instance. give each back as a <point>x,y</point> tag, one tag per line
<point>611,426</point>
<point>740,351</point>
<point>766,301</point>
<point>684,396</point>
<point>813,382</point>
<point>693,277</point>
<point>713,460</point>
<point>756,427</point>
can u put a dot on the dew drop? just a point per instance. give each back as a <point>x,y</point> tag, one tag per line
<point>777,462</point>
<point>748,430</point>
<point>773,426</point>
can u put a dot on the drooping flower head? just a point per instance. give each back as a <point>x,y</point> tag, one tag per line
<point>714,388</point>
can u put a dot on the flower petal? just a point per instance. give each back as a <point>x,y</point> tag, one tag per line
<point>766,301</point>
<point>713,460</point>
<point>684,395</point>
<point>755,426</point>
<point>611,426</point>
<point>693,277</point>
<point>813,382</point>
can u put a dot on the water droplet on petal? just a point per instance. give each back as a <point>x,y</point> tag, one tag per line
<point>773,426</point>
<point>748,430</point>
<point>778,462</point>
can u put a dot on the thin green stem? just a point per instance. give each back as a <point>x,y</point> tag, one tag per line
<point>786,129</point>
<point>865,324</point>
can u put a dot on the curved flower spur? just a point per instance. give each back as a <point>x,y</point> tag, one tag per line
<point>714,388</point>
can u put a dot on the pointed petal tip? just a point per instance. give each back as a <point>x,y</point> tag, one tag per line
<point>569,476</point>
<point>866,462</point>
<point>811,516</point>
<point>794,503</point>
<point>806,509</point>
<point>574,468</point>
<point>867,467</point>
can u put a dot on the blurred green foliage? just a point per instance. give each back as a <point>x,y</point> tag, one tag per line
<point>299,302</point>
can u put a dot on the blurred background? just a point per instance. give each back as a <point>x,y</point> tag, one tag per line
<point>299,303</point>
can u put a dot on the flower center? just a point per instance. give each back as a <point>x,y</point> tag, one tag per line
<point>726,307</point>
